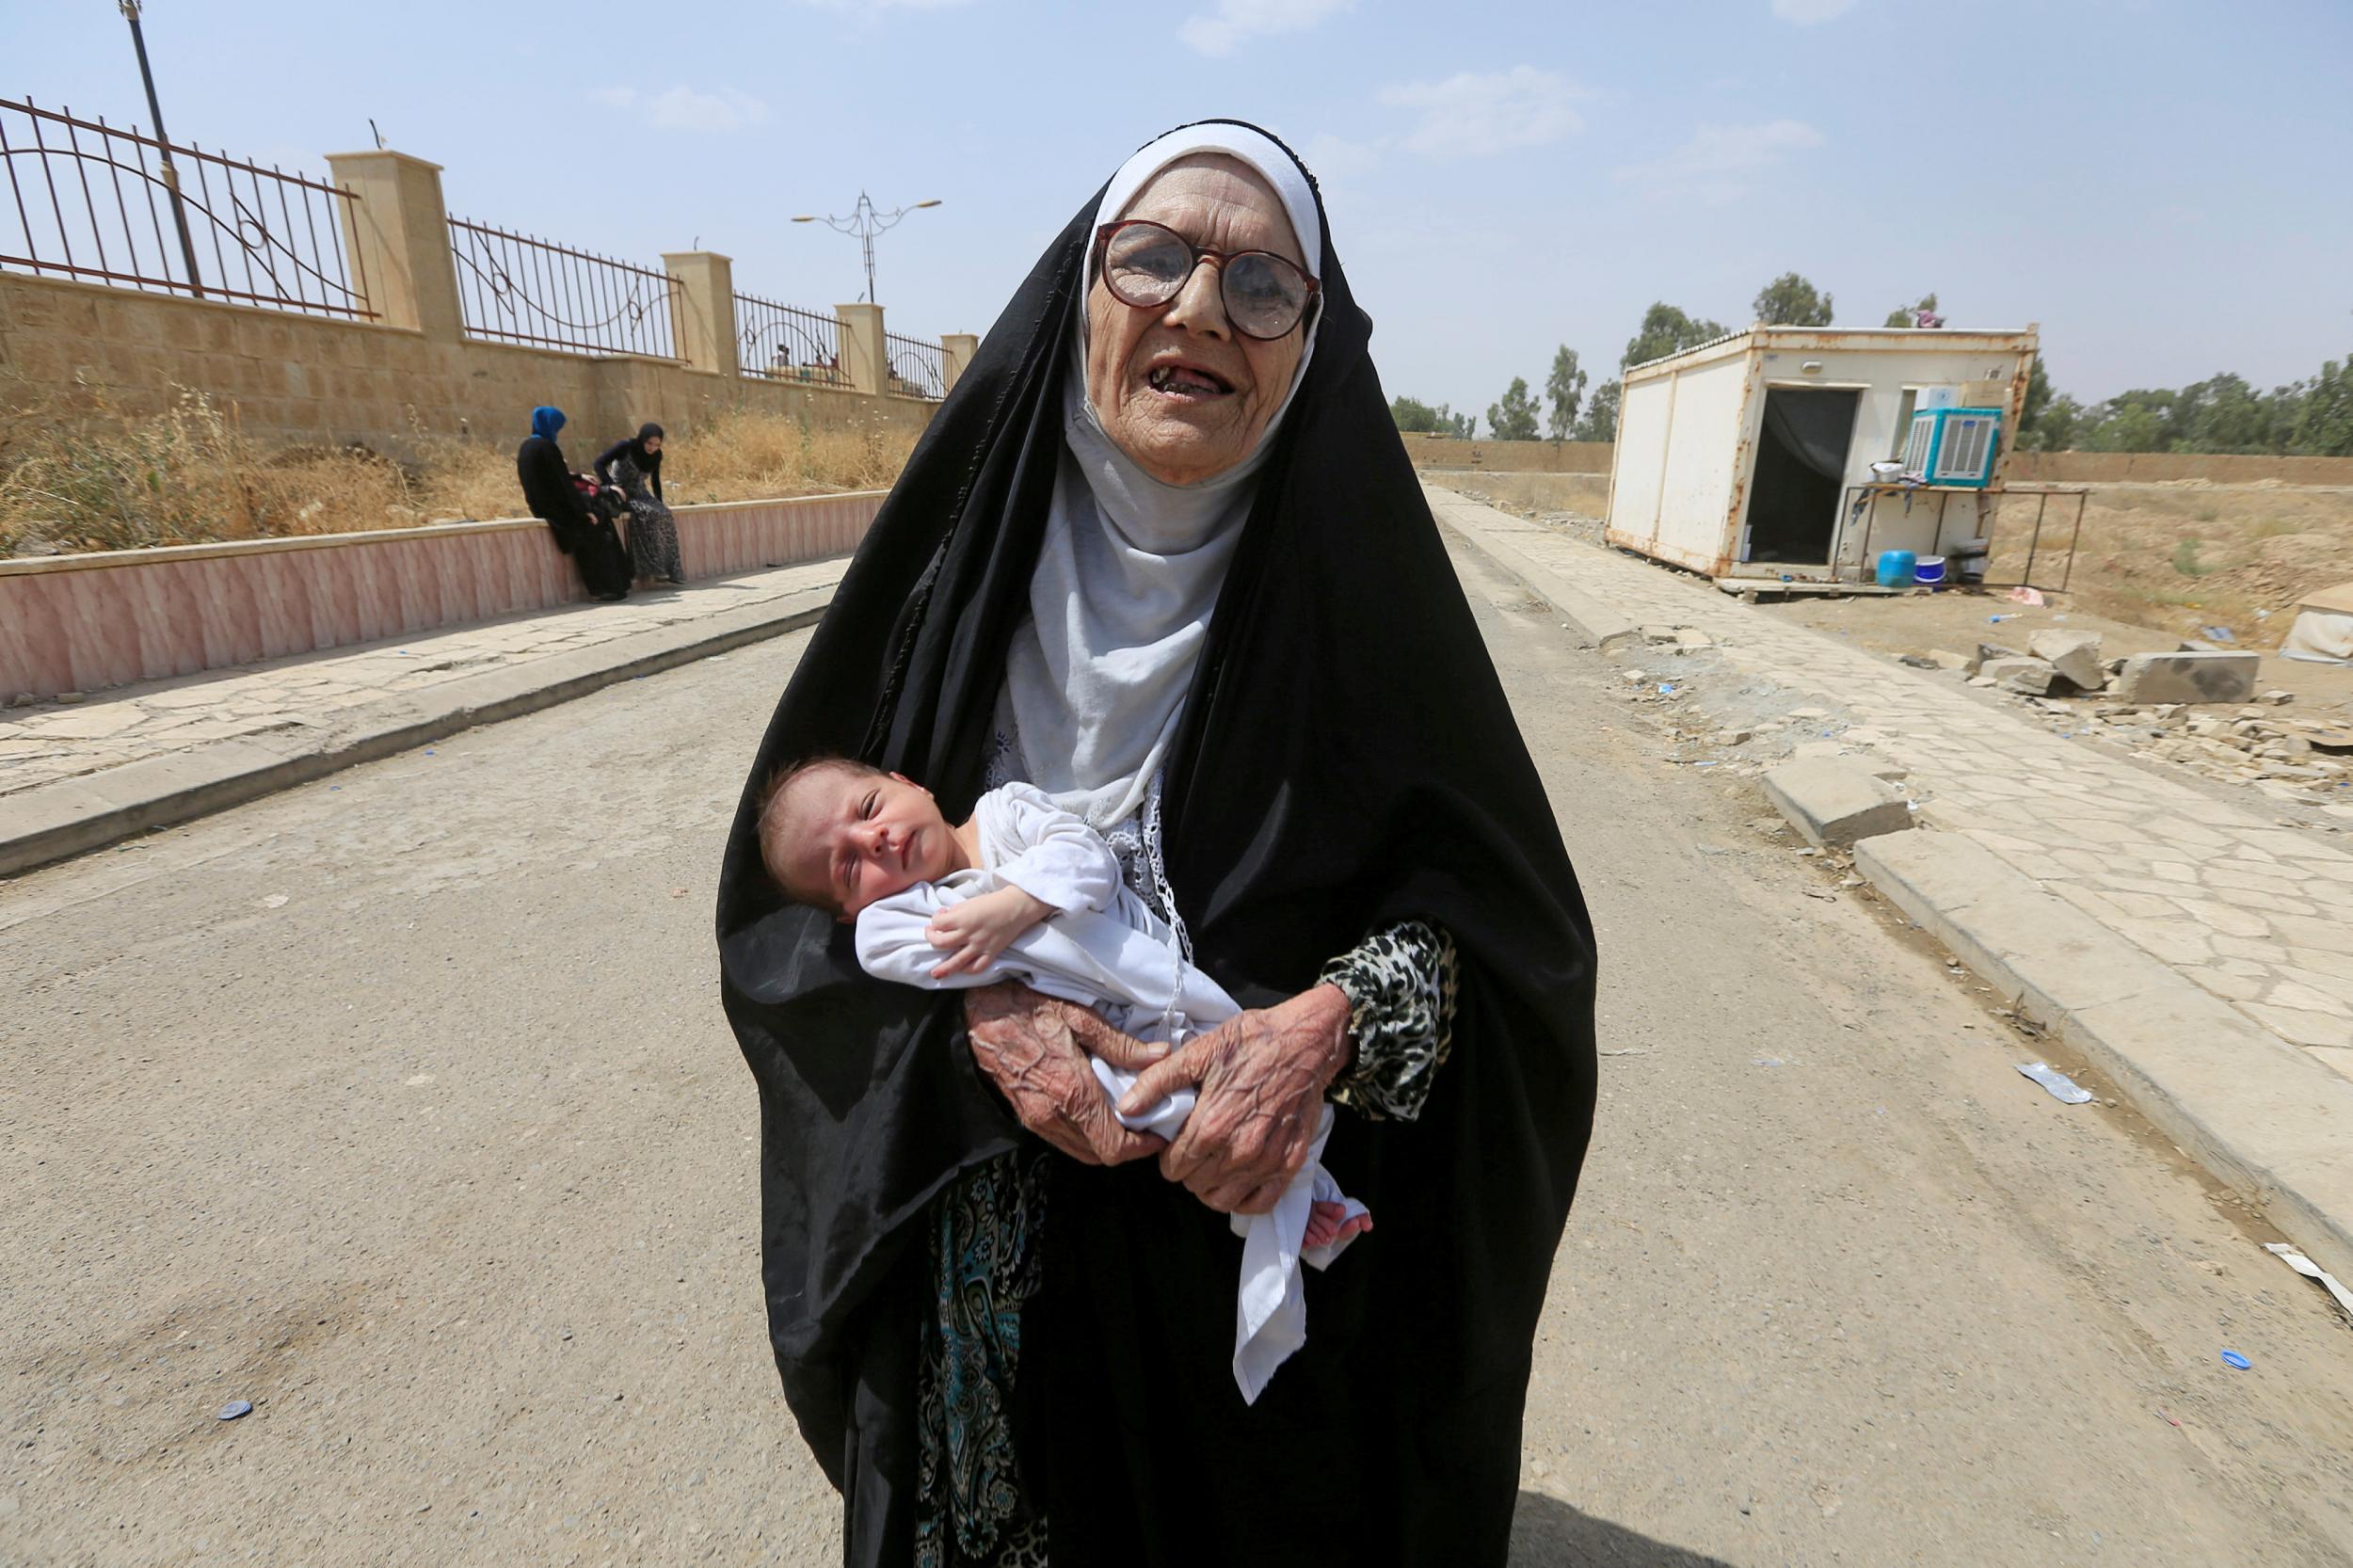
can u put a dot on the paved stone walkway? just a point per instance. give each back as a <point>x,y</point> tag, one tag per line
<point>55,741</point>
<point>2257,913</point>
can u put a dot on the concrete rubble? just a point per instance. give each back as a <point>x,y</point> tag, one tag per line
<point>2216,677</point>
<point>2075,654</point>
<point>1836,804</point>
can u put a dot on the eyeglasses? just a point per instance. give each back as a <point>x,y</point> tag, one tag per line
<point>1146,264</point>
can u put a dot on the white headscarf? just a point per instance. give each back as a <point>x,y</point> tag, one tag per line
<point>1130,568</point>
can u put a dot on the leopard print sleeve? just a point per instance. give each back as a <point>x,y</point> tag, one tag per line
<point>1401,986</point>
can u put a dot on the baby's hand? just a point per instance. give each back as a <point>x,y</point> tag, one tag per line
<point>973,933</point>
<point>1328,1222</point>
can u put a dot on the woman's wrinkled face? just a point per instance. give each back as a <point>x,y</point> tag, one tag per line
<point>1181,392</point>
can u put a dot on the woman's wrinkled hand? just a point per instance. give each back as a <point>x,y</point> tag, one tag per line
<point>1035,1048</point>
<point>1260,1077</point>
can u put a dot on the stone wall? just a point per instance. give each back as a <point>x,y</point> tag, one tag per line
<point>1515,456</point>
<point>2039,468</point>
<point>310,379</point>
<point>2157,468</point>
<point>1587,494</point>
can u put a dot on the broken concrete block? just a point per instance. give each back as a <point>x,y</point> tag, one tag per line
<point>1987,653</point>
<point>2278,699</point>
<point>1945,659</point>
<point>2000,670</point>
<point>1658,634</point>
<point>1691,637</point>
<point>2216,677</point>
<point>2073,654</point>
<point>1834,803</point>
<point>2033,678</point>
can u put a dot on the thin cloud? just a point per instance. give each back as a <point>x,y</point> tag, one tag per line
<point>1235,22</point>
<point>1470,114</point>
<point>684,108</point>
<point>1332,157</point>
<point>1718,163</point>
<point>1807,13</point>
<point>873,7</point>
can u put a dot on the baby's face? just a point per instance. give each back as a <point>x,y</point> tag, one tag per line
<point>863,837</point>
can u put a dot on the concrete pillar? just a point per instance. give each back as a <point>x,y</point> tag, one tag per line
<point>955,352</point>
<point>703,302</point>
<point>865,357</point>
<point>396,236</point>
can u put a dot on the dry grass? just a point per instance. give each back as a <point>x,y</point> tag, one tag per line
<point>80,474</point>
<point>2179,557</point>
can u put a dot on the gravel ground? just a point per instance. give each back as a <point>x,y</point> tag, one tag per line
<point>401,1105</point>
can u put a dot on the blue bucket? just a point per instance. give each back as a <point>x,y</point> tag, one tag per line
<point>1929,572</point>
<point>1897,567</point>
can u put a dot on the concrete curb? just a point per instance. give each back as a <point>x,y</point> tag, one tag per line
<point>2266,1118</point>
<point>77,815</point>
<point>1598,625</point>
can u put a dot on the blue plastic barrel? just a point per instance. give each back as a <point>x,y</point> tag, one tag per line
<point>1897,567</point>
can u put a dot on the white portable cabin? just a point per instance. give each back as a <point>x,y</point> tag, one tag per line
<point>1750,457</point>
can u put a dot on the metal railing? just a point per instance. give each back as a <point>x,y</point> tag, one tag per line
<point>254,236</point>
<point>518,289</point>
<point>918,369</point>
<point>783,343</point>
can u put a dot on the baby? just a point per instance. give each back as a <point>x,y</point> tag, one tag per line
<point>1026,891</point>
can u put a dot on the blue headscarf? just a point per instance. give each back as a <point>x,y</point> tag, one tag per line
<point>546,422</point>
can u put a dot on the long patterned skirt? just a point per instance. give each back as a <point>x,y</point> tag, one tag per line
<point>653,539</point>
<point>984,1268</point>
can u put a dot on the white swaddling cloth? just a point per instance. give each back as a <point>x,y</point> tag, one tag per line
<point>1109,951</point>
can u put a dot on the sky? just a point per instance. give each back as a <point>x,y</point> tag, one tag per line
<point>2160,185</point>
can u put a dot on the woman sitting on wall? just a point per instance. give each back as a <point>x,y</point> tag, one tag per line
<point>633,466</point>
<point>555,500</point>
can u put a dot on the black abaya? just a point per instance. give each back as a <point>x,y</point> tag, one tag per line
<point>580,532</point>
<point>1346,760</point>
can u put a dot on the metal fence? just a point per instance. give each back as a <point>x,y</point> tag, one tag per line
<point>518,289</point>
<point>94,201</point>
<point>783,343</point>
<point>917,368</point>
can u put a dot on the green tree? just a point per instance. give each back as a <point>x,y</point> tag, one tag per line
<point>2223,413</point>
<point>1922,314</point>
<point>1790,300</point>
<point>1600,423</point>
<point>2037,397</point>
<point>2133,422</point>
<point>1666,330</point>
<point>1564,389</point>
<point>1513,418</point>
<point>2055,427</point>
<point>1414,417</point>
<point>2324,416</point>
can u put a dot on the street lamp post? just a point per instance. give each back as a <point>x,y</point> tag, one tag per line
<point>865,222</point>
<point>163,142</point>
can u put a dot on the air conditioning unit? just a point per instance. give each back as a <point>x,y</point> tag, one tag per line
<point>1953,447</point>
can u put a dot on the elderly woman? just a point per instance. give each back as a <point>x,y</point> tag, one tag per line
<point>1162,555</point>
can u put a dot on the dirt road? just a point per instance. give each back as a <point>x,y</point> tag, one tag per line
<point>402,1107</point>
